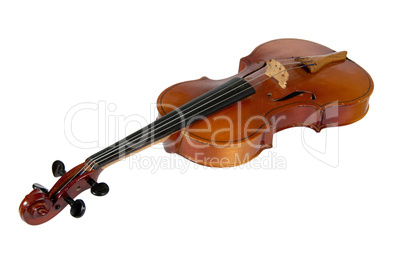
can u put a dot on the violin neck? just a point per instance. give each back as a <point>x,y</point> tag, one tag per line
<point>214,100</point>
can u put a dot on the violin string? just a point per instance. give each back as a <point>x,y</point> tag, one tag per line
<point>90,165</point>
<point>156,127</point>
<point>92,162</point>
<point>181,122</point>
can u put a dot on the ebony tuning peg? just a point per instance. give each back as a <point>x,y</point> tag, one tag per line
<point>40,187</point>
<point>98,189</point>
<point>77,207</point>
<point>58,168</point>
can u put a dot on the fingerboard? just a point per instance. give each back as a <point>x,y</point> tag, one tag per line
<point>210,102</point>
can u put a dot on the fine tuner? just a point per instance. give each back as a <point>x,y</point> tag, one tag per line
<point>283,83</point>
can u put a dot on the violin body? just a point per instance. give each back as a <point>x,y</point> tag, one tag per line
<point>240,132</point>
<point>221,123</point>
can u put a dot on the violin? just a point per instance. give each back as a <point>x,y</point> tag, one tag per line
<point>222,123</point>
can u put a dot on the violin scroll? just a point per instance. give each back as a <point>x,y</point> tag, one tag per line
<point>41,205</point>
<point>36,205</point>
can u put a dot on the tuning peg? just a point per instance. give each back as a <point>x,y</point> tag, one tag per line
<point>40,187</point>
<point>77,207</point>
<point>98,189</point>
<point>58,168</point>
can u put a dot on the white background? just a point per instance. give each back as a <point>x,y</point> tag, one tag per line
<point>339,208</point>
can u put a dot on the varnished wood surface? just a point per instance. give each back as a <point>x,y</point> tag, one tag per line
<point>342,90</point>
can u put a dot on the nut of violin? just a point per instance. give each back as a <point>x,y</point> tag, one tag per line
<point>315,63</point>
